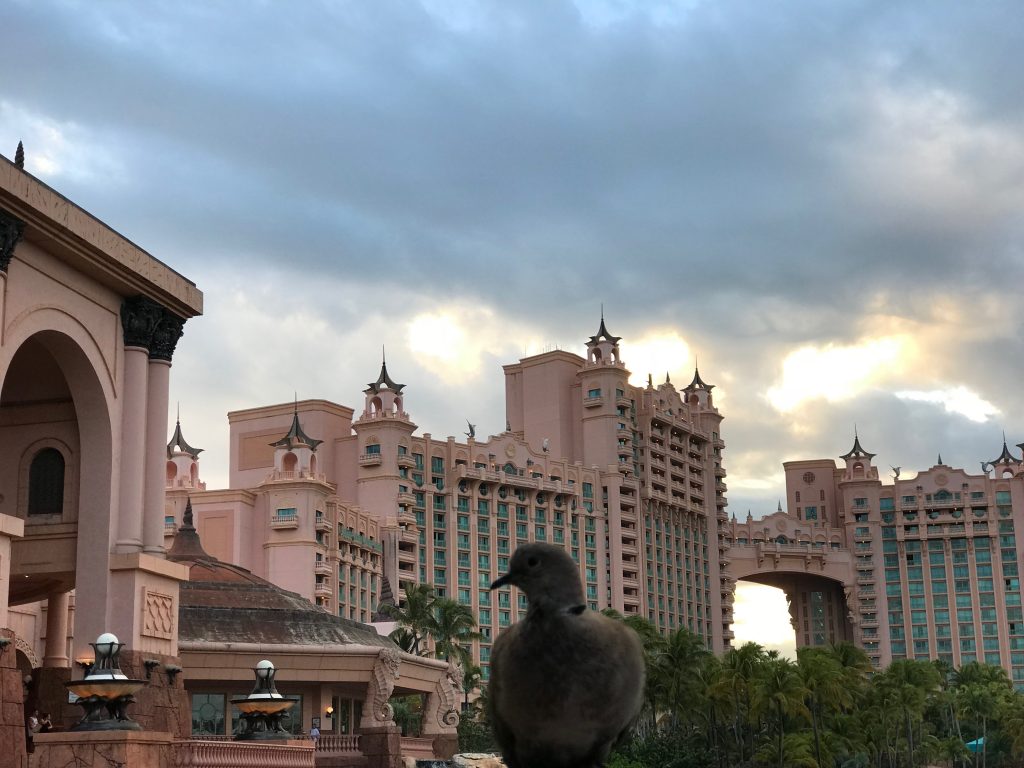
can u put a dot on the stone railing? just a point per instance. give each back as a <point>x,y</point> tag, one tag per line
<point>338,743</point>
<point>194,753</point>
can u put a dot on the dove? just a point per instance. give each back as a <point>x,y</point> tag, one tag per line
<point>566,682</point>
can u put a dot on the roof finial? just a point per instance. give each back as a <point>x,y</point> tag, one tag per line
<point>940,458</point>
<point>19,157</point>
<point>187,521</point>
<point>602,311</point>
<point>178,419</point>
<point>383,355</point>
<point>667,379</point>
<point>650,380</point>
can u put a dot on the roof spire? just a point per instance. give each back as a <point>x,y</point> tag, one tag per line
<point>1006,457</point>
<point>602,332</point>
<point>697,382</point>
<point>186,545</point>
<point>296,435</point>
<point>940,459</point>
<point>780,506</point>
<point>857,452</point>
<point>667,379</point>
<point>19,156</point>
<point>384,381</point>
<point>178,442</point>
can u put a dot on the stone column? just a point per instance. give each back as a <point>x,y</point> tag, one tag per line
<point>10,528</point>
<point>165,337</point>
<point>139,318</point>
<point>56,653</point>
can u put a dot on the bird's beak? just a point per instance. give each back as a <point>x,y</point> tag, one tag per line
<point>502,581</point>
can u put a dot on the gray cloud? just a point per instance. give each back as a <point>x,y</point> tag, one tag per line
<point>759,177</point>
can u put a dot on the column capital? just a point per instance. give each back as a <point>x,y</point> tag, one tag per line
<point>11,230</point>
<point>165,337</point>
<point>139,318</point>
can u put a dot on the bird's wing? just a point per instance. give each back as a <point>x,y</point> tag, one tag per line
<point>502,733</point>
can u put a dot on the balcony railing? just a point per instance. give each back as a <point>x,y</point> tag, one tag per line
<point>278,522</point>
<point>338,743</point>
<point>370,459</point>
<point>211,753</point>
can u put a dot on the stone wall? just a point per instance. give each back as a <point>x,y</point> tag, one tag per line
<point>12,709</point>
<point>163,705</point>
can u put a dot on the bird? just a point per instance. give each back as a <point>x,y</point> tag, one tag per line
<point>566,682</point>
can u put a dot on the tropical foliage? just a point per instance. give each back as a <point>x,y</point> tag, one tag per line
<point>826,709</point>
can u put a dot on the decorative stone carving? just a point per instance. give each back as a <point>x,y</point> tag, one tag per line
<point>11,230</point>
<point>139,318</point>
<point>165,337</point>
<point>376,709</point>
<point>158,615</point>
<point>441,713</point>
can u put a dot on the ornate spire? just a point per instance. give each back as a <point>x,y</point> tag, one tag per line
<point>179,444</point>
<point>187,545</point>
<point>780,506</point>
<point>1005,457</point>
<point>857,452</point>
<point>384,381</point>
<point>296,435</point>
<point>697,382</point>
<point>668,379</point>
<point>940,460</point>
<point>602,333</point>
<point>387,597</point>
<point>19,156</point>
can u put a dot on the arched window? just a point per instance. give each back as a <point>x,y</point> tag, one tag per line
<point>290,462</point>
<point>46,483</point>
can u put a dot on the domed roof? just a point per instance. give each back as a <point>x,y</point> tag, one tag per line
<point>227,603</point>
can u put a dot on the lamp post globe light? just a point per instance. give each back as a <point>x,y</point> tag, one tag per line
<point>264,708</point>
<point>105,692</point>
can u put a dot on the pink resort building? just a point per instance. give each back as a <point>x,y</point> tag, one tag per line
<point>923,567</point>
<point>345,508</point>
<point>89,324</point>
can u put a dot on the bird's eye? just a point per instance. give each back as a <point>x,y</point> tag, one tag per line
<point>532,562</point>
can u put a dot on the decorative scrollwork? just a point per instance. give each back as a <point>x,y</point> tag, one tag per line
<point>382,683</point>
<point>11,230</point>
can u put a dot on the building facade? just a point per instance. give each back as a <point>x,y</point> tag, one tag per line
<point>922,567</point>
<point>346,509</point>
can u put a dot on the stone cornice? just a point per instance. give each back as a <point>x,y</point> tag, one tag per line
<point>72,234</point>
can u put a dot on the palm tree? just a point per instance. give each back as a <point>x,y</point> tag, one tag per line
<point>404,639</point>
<point>825,682</point>
<point>780,691</point>
<point>674,672</point>
<point>739,670</point>
<point>907,684</point>
<point>451,625</point>
<point>415,614</point>
<point>471,678</point>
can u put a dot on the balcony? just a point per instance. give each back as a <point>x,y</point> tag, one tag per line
<point>623,402</point>
<point>406,499</point>
<point>865,578</point>
<point>370,460</point>
<point>405,460</point>
<point>282,522</point>
<point>323,524</point>
<point>281,476</point>
<point>728,634</point>
<point>322,568</point>
<point>869,622</point>
<point>323,589</point>
<point>170,529</point>
<point>593,402</point>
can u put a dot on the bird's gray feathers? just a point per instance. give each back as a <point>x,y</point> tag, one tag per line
<point>564,685</point>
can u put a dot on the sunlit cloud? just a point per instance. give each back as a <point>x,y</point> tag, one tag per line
<point>959,400</point>
<point>657,353</point>
<point>456,342</point>
<point>761,615</point>
<point>833,373</point>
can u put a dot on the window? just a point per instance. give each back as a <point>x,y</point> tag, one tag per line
<point>208,714</point>
<point>46,483</point>
<point>373,449</point>
<point>594,392</point>
<point>810,513</point>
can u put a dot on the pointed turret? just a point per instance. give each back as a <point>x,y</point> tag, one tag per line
<point>698,383</point>
<point>1006,457</point>
<point>698,392</point>
<point>296,436</point>
<point>857,452</point>
<point>384,382</point>
<point>185,462</point>
<point>603,348</point>
<point>187,545</point>
<point>178,443</point>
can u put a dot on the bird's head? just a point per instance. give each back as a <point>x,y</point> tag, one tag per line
<point>548,576</point>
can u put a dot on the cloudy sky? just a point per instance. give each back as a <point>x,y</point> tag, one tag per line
<point>822,202</point>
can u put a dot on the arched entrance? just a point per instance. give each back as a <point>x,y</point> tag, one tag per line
<point>56,457</point>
